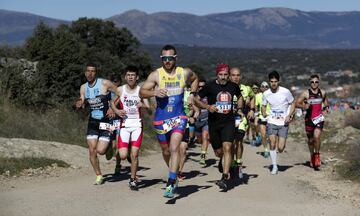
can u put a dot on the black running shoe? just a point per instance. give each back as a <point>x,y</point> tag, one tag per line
<point>222,185</point>
<point>133,185</point>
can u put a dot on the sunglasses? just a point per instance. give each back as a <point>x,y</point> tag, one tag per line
<point>314,82</point>
<point>264,86</point>
<point>200,86</point>
<point>168,58</point>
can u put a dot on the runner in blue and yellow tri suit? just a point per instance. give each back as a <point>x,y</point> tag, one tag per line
<point>167,85</point>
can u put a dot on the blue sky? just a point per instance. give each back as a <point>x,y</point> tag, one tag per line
<point>73,9</point>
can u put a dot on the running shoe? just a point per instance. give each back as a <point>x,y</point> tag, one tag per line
<point>133,185</point>
<point>253,142</point>
<point>202,159</point>
<point>220,167</point>
<point>180,176</point>
<point>222,183</point>
<point>274,170</point>
<point>109,152</point>
<point>317,161</point>
<point>99,180</point>
<point>169,191</point>
<point>266,154</point>
<point>258,140</point>
<point>117,169</point>
<point>240,172</point>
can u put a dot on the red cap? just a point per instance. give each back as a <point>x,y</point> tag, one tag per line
<point>222,67</point>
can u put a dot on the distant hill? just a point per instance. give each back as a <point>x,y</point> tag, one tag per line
<point>259,28</point>
<point>15,27</point>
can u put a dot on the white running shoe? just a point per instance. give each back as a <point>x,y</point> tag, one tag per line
<point>274,170</point>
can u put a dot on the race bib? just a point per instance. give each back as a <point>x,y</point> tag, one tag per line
<point>105,126</point>
<point>223,102</point>
<point>169,124</point>
<point>223,107</point>
<point>318,119</point>
<point>277,117</point>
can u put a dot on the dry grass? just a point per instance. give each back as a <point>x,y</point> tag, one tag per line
<point>16,165</point>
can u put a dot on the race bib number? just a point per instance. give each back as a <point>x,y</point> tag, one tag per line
<point>223,102</point>
<point>105,126</point>
<point>318,119</point>
<point>223,107</point>
<point>169,124</point>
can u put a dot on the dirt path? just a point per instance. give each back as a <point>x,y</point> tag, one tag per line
<point>296,190</point>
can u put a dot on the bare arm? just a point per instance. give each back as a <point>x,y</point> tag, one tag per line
<point>263,110</point>
<point>200,104</point>
<point>240,105</point>
<point>148,88</point>
<point>301,99</point>
<point>194,80</point>
<point>252,108</point>
<point>109,86</point>
<point>196,111</point>
<point>113,102</point>
<point>326,102</point>
<point>81,101</point>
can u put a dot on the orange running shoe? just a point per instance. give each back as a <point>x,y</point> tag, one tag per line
<point>317,161</point>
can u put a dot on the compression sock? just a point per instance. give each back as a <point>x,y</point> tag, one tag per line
<point>273,156</point>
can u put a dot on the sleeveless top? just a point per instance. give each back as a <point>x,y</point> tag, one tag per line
<point>315,101</point>
<point>129,103</point>
<point>172,105</point>
<point>99,104</point>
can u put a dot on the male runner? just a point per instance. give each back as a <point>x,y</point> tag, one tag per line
<point>282,107</point>
<point>131,124</point>
<point>201,127</point>
<point>242,118</point>
<point>96,93</point>
<point>115,121</point>
<point>261,121</point>
<point>220,94</point>
<point>167,85</point>
<point>312,100</point>
<point>192,112</point>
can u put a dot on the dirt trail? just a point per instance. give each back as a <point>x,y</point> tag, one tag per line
<point>296,190</point>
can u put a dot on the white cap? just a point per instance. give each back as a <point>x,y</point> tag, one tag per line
<point>265,84</point>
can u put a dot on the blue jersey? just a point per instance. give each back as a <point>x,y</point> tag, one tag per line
<point>99,104</point>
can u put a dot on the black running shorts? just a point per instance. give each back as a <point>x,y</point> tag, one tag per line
<point>220,133</point>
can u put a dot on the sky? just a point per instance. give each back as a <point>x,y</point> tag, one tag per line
<point>73,9</point>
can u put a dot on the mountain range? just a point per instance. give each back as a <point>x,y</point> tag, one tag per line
<point>258,28</point>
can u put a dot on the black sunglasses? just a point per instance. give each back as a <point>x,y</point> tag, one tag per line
<point>314,81</point>
<point>168,58</point>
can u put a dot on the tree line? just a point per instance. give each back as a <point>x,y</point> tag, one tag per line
<point>61,54</point>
